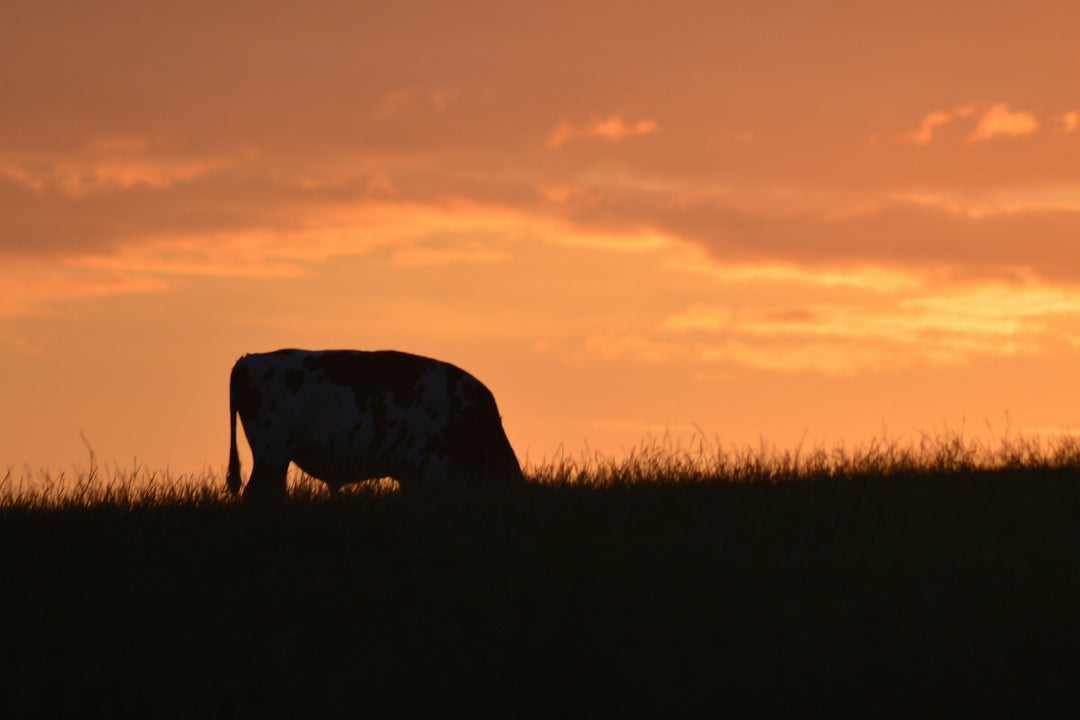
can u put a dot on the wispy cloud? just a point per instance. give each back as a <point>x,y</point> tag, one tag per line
<point>925,133</point>
<point>999,120</point>
<point>791,356</point>
<point>945,328</point>
<point>31,287</point>
<point>104,167</point>
<point>612,128</point>
<point>695,260</point>
<point>1067,121</point>
<point>398,234</point>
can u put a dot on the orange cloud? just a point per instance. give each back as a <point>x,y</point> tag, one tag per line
<point>996,121</point>
<point>946,328</point>
<point>695,260</point>
<point>999,120</point>
<point>1068,121</point>
<point>398,234</point>
<point>925,133</point>
<point>78,177</point>
<point>28,287</point>
<point>791,356</point>
<point>933,120</point>
<point>613,128</point>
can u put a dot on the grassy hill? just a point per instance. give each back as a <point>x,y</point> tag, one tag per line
<point>882,580</point>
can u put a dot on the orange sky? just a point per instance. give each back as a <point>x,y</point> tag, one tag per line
<point>758,219</point>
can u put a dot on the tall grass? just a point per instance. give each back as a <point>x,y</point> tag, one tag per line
<point>655,461</point>
<point>664,461</point>
<point>112,485</point>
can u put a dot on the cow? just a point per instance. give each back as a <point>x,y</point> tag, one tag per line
<point>345,416</point>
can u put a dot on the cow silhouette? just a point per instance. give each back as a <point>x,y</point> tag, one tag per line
<point>345,416</point>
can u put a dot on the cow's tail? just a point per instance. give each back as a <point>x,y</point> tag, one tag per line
<point>232,479</point>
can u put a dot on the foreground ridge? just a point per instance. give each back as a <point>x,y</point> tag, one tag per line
<point>670,583</point>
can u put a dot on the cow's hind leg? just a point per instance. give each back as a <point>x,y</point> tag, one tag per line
<point>267,482</point>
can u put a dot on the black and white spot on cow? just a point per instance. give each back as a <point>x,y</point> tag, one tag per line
<point>346,416</point>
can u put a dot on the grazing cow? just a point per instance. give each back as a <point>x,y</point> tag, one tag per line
<point>345,416</point>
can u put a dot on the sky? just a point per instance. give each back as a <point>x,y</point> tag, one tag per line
<point>813,222</point>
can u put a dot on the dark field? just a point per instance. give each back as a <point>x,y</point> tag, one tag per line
<point>879,582</point>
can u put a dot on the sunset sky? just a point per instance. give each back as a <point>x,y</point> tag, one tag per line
<point>777,219</point>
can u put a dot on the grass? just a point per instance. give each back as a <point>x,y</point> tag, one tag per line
<point>886,579</point>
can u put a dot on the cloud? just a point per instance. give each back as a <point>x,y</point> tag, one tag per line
<point>32,287</point>
<point>612,128</point>
<point>101,218</point>
<point>925,133</point>
<point>950,327</point>
<point>934,120</point>
<point>1068,121</point>
<point>106,166</point>
<point>390,233</point>
<point>986,313</point>
<point>791,357</point>
<point>878,278</point>
<point>208,144</point>
<point>884,244</point>
<point>999,120</point>
<point>876,239</point>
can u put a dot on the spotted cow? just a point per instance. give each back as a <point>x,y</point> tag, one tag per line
<point>344,416</point>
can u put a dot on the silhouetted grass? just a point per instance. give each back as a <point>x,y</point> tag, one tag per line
<point>886,579</point>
